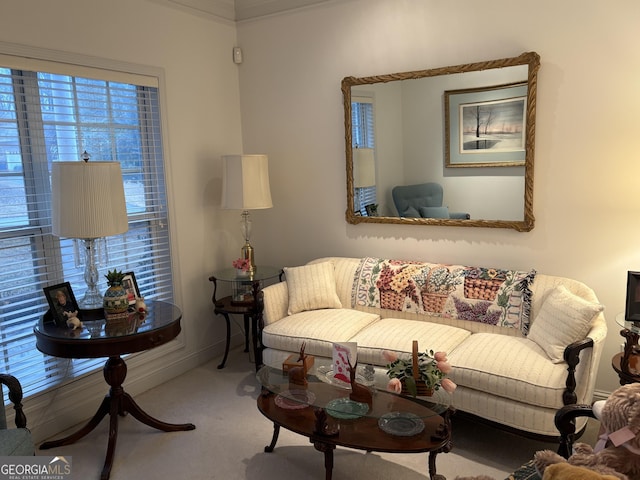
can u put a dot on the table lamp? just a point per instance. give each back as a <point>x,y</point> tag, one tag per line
<point>87,203</point>
<point>245,186</point>
<point>364,168</point>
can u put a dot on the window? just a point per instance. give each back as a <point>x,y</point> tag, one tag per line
<point>362,122</point>
<point>52,113</point>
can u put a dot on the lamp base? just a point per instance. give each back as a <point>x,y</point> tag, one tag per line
<point>246,252</point>
<point>91,301</point>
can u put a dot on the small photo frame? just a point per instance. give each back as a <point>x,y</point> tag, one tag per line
<point>62,302</point>
<point>131,286</point>
<point>372,210</point>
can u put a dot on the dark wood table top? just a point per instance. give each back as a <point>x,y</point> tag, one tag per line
<point>361,433</point>
<point>99,338</point>
<point>364,432</point>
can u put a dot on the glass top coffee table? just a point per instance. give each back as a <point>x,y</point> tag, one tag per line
<point>323,411</point>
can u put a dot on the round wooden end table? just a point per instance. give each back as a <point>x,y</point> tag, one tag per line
<point>246,300</point>
<point>99,338</point>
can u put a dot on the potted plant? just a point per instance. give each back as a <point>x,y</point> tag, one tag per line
<point>115,298</point>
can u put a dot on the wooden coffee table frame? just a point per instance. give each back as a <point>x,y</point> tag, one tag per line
<point>360,434</point>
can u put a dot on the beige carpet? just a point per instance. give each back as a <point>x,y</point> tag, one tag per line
<point>231,434</point>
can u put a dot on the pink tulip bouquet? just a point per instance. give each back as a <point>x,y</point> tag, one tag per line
<point>242,264</point>
<point>433,368</point>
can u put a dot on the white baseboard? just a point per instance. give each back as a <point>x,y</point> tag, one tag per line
<point>600,395</point>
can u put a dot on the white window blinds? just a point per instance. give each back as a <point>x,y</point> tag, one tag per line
<point>54,114</point>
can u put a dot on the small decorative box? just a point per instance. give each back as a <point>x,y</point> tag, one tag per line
<point>291,362</point>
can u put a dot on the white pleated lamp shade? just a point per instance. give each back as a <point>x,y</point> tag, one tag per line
<point>364,168</point>
<point>87,200</point>
<point>245,182</point>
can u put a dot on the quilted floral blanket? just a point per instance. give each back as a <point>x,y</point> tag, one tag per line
<point>487,295</point>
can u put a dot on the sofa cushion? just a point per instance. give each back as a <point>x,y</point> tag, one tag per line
<point>311,287</point>
<point>318,328</point>
<point>563,319</point>
<point>510,367</point>
<point>397,335</point>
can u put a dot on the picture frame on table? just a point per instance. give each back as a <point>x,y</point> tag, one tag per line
<point>486,126</point>
<point>632,310</point>
<point>371,209</point>
<point>131,286</point>
<point>62,302</point>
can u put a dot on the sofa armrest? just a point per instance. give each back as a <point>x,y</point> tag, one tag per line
<point>276,302</point>
<point>565,420</point>
<point>572,357</point>
<point>595,341</point>
<point>15,396</point>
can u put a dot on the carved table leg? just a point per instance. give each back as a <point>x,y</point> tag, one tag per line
<point>116,403</point>
<point>432,467</point>
<point>442,433</point>
<point>246,332</point>
<point>328,456</point>
<point>89,426</point>
<point>226,346</point>
<point>274,439</point>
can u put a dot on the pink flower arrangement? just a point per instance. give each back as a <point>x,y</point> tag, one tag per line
<point>433,368</point>
<point>242,264</point>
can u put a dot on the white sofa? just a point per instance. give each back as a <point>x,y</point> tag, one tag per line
<point>509,370</point>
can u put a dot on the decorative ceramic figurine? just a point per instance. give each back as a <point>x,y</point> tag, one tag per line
<point>359,393</point>
<point>298,375</point>
<point>73,321</point>
<point>141,307</point>
<point>115,298</point>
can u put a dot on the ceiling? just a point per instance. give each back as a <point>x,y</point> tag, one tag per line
<point>237,10</point>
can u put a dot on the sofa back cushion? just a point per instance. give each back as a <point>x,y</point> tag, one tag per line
<point>345,271</point>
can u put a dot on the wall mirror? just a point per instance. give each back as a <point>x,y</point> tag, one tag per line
<point>466,130</point>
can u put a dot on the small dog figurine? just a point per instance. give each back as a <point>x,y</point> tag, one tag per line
<point>73,321</point>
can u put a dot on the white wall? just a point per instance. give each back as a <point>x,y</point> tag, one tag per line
<point>202,112</point>
<point>291,106</point>
<point>586,167</point>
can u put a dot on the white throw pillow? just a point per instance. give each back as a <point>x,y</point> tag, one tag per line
<point>564,318</point>
<point>311,287</point>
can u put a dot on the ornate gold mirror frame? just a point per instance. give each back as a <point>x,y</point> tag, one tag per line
<point>530,59</point>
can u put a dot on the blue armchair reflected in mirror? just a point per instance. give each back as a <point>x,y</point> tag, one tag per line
<point>423,200</point>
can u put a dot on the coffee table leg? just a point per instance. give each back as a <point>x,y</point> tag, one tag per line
<point>432,467</point>
<point>274,439</point>
<point>328,457</point>
<point>442,433</point>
